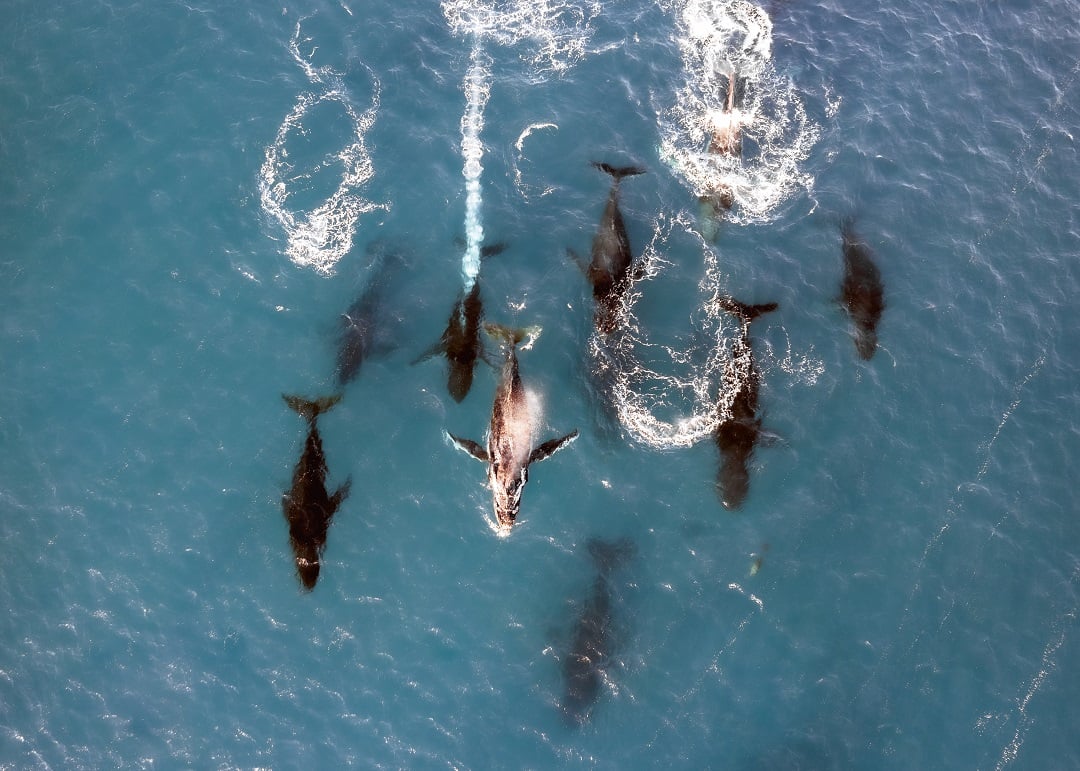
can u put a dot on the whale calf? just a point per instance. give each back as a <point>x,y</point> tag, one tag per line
<point>737,436</point>
<point>861,292</point>
<point>595,639</point>
<point>509,450</point>
<point>610,269</point>
<point>460,342</point>
<point>308,506</point>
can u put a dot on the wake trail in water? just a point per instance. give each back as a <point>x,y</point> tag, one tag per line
<point>319,238</point>
<point>559,33</point>
<point>674,394</point>
<point>718,39</point>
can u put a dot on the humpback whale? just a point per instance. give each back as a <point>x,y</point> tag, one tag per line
<point>737,436</point>
<point>308,507</point>
<point>594,643</point>
<point>460,342</point>
<point>509,450</point>
<point>726,140</point>
<point>609,271</point>
<point>364,327</point>
<point>861,291</point>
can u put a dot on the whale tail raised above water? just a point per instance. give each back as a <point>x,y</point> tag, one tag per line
<point>618,172</point>
<point>743,311</point>
<point>311,408</point>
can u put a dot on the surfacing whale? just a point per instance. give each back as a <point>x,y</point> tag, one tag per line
<point>737,436</point>
<point>509,450</point>
<point>861,292</point>
<point>460,342</point>
<point>308,507</point>
<point>726,139</point>
<point>611,269</point>
<point>595,640</point>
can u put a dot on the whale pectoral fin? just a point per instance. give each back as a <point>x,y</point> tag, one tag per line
<point>580,262</point>
<point>436,350</point>
<point>491,250</point>
<point>471,447</point>
<point>341,494</point>
<point>552,446</point>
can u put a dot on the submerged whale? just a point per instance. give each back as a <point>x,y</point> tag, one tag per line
<point>460,342</point>
<point>861,292</point>
<point>308,507</point>
<point>595,639</point>
<point>610,269</point>
<point>367,326</point>
<point>509,450</point>
<point>737,436</point>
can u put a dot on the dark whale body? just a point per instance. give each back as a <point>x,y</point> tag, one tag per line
<point>595,639</point>
<point>308,506</point>
<point>460,342</point>
<point>509,450</point>
<point>610,269</point>
<point>861,293</point>
<point>737,436</point>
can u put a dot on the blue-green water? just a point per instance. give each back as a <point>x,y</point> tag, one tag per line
<point>916,603</point>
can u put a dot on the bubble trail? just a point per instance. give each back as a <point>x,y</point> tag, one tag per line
<point>477,88</point>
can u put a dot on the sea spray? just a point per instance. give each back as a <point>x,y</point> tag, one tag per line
<point>477,88</point>
<point>558,31</point>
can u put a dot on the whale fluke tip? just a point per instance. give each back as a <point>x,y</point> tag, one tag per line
<point>618,172</point>
<point>311,408</point>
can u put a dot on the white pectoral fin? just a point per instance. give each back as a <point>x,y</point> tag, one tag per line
<point>468,445</point>
<point>552,446</point>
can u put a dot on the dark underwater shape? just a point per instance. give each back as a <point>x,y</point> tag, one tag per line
<point>861,292</point>
<point>368,327</point>
<point>609,271</point>
<point>308,507</point>
<point>461,342</point>
<point>737,436</point>
<point>594,641</point>
<point>509,450</point>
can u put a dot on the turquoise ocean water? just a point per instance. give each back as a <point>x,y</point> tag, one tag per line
<point>192,193</point>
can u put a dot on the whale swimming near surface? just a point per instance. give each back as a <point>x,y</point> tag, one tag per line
<point>368,327</point>
<point>460,342</point>
<point>509,450</point>
<point>308,506</point>
<point>737,436</point>
<point>595,636</point>
<point>726,140</point>
<point>861,291</point>
<point>611,269</point>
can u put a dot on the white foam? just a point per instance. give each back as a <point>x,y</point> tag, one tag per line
<point>716,38</point>
<point>321,237</point>
<point>558,33</point>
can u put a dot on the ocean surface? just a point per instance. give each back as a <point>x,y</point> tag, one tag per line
<point>193,193</point>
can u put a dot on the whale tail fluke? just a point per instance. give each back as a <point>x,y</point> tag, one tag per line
<point>511,336</point>
<point>618,172</point>
<point>311,408</point>
<point>610,555</point>
<point>746,312</point>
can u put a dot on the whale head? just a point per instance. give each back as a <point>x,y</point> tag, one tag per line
<point>506,498</point>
